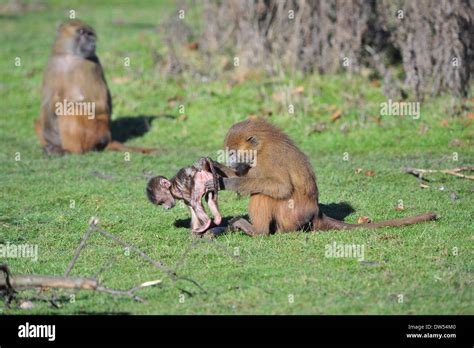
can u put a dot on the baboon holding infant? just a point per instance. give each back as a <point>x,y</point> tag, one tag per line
<point>274,172</point>
<point>281,184</point>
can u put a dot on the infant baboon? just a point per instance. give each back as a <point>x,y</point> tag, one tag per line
<point>189,185</point>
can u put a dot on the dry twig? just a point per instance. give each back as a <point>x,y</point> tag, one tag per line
<point>455,171</point>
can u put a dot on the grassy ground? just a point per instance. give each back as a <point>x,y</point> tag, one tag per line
<point>430,264</point>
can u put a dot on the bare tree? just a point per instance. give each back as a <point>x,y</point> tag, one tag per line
<point>431,39</point>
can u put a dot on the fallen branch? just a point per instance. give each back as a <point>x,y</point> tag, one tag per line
<point>8,292</point>
<point>131,247</point>
<point>93,227</point>
<point>131,290</point>
<point>171,273</point>
<point>82,244</point>
<point>455,171</point>
<point>24,282</point>
<point>10,284</point>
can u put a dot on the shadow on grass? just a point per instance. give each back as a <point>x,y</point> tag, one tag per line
<point>186,223</point>
<point>337,211</point>
<point>129,127</point>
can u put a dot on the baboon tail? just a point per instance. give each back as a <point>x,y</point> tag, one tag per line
<point>325,223</point>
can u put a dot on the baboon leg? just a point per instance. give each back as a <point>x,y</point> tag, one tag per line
<point>243,225</point>
<point>54,150</point>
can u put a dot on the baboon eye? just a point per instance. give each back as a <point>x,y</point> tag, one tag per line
<point>252,140</point>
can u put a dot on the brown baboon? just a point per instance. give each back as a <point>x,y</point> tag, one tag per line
<point>76,106</point>
<point>281,183</point>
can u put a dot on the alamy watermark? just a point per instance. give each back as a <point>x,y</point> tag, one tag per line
<point>75,108</point>
<point>37,331</point>
<point>231,156</point>
<point>355,251</point>
<point>29,251</point>
<point>392,108</point>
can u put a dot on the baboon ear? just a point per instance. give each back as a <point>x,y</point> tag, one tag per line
<point>253,140</point>
<point>165,182</point>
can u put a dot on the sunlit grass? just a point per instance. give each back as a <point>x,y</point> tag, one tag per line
<point>429,264</point>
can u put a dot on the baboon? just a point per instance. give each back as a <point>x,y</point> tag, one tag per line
<point>189,185</point>
<point>76,105</point>
<point>281,183</point>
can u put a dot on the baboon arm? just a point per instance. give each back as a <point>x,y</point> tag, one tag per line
<point>278,189</point>
<point>222,169</point>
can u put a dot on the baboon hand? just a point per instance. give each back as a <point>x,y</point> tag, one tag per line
<point>222,184</point>
<point>231,184</point>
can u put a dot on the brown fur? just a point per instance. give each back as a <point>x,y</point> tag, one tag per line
<point>282,184</point>
<point>74,74</point>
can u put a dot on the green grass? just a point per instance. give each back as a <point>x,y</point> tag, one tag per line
<point>418,261</point>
